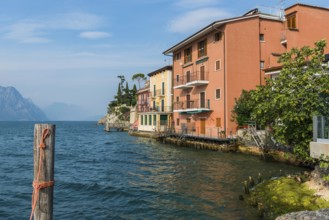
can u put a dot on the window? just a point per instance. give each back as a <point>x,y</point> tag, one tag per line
<point>162,105</point>
<point>202,48</point>
<point>178,56</point>
<point>188,55</point>
<point>177,98</point>
<point>154,107</point>
<point>145,119</point>
<point>142,122</point>
<point>154,119</point>
<point>218,36</point>
<point>150,119</point>
<point>217,95</point>
<point>217,65</point>
<point>177,78</point>
<point>218,122</point>
<point>291,22</point>
<point>177,121</point>
<point>163,88</point>
<point>261,37</point>
<point>154,92</point>
<point>262,64</point>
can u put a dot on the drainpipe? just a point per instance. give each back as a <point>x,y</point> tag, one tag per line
<point>224,81</point>
<point>260,54</point>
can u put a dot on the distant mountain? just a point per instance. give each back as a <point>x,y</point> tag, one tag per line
<point>64,112</point>
<point>13,107</point>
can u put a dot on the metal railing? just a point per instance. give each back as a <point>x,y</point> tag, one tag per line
<point>161,109</point>
<point>156,93</point>
<point>143,108</point>
<point>192,104</point>
<point>192,77</point>
<point>209,132</point>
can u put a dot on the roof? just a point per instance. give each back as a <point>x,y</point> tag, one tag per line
<point>213,26</point>
<point>305,5</point>
<point>169,67</point>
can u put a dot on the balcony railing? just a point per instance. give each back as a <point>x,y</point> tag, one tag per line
<point>197,131</point>
<point>196,78</point>
<point>157,93</point>
<point>192,105</point>
<point>143,108</point>
<point>142,102</point>
<point>161,109</point>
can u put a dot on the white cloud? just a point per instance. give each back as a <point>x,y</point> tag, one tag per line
<point>196,19</point>
<point>76,21</point>
<point>26,32</point>
<point>36,30</point>
<point>94,35</point>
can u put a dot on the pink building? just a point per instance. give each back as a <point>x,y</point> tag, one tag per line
<point>213,66</point>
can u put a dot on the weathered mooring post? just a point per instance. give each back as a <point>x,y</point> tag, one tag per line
<point>43,183</point>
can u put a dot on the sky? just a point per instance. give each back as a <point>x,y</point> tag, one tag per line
<point>72,51</point>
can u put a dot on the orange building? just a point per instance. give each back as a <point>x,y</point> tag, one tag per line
<point>213,66</point>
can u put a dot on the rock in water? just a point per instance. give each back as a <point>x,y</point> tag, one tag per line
<point>322,214</point>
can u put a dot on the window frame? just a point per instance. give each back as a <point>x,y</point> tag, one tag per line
<point>219,61</point>
<point>178,55</point>
<point>202,48</point>
<point>188,55</point>
<point>292,21</point>
<point>220,93</point>
<point>261,37</point>
<point>262,64</point>
<point>218,36</point>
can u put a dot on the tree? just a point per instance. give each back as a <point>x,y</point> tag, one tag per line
<point>139,77</point>
<point>289,101</point>
<point>133,93</point>
<point>297,95</point>
<point>243,107</point>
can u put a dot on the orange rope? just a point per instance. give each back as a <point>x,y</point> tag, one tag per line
<point>36,184</point>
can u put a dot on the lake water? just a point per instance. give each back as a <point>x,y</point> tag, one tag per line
<point>101,175</point>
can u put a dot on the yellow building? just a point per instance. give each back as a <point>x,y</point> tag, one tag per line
<point>161,98</point>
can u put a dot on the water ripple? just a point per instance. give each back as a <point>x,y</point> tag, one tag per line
<point>112,175</point>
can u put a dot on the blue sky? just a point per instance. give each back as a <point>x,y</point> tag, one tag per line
<point>72,51</point>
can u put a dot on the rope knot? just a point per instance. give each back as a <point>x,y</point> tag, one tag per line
<point>40,185</point>
<point>45,134</point>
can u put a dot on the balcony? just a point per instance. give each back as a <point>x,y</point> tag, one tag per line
<point>157,93</point>
<point>161,109</point>
<point>197,78</point>
<point>143,107</point>
<point>192,106</point>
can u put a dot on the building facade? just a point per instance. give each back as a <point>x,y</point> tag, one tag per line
<point>161,97</point>
<point>214,65</point>
<point>155,101</point>
<point>142,107</point>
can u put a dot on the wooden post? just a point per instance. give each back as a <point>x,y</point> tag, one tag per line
<point>44,203</point>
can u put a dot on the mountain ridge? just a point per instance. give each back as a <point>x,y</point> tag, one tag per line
<point>14,107</point>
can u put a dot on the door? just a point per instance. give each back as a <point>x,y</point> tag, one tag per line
<point>188,101</point>
<point>202,99</point>
<point>202,126</point>
<point>202,73</point>
<point>188,76</point>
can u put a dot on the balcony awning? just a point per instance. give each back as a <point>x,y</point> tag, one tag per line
<point>193,111</point>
